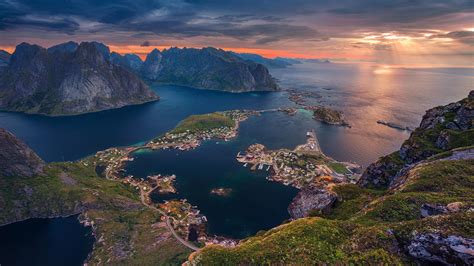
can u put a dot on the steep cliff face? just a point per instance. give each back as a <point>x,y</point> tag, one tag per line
<point>442,128</point>
<point>207,68</point>
<point>68,80</point>
<point>17,159</point>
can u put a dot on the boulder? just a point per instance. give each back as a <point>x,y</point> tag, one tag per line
<point>311,200</point>
<point>432,209</point>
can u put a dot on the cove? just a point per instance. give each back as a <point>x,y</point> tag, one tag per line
<point>56,241</point>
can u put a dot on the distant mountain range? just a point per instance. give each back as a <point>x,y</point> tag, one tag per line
<point>206,68</point>
<point>72,78</point>
<point>278,62</point>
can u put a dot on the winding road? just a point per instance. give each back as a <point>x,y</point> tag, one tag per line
<point>168,224</point>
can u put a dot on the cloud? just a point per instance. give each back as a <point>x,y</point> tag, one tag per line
<point>466,37</point>
<point>59,24</point>
<point>145,44</point>
<point>296,23</point>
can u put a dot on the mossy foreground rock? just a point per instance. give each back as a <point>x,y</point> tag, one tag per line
<point>424,213</point>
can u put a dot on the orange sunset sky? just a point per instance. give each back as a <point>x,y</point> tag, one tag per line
<point>398,32</point>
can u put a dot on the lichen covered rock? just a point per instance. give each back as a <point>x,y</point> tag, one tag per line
<point>435,248</point>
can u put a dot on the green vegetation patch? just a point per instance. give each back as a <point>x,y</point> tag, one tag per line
<point>306,241</point>
<point>338,168</point>
<point>197,123</point>
<point>350,200</point>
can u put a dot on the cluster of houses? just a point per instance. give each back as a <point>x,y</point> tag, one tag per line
<point>298,168</point>
<point>164,184</point>
<point>185,217</point>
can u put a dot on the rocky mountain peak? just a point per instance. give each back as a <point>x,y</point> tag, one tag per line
<point>16,158</point>
<point>90,52</point>
<point>25,53</point>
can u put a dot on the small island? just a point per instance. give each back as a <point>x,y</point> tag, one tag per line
<point>321,113</point>
<point>223,192</point>
<point>328,116</point>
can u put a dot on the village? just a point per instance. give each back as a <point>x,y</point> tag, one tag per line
<point>305,166</point>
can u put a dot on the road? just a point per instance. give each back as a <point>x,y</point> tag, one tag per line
<point>168,224</point>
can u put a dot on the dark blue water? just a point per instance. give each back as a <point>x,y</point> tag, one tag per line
<point>59,241</point>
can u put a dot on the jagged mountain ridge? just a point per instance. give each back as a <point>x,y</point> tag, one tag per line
<point>68,79</point>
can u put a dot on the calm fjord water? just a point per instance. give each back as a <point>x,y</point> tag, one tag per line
<point>365,92</point>
<point>58,241</point>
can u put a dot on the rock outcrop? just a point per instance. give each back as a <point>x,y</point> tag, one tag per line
<point>16,158</point>
<point>435,248</point>
<point>207,68</point>
<point>68,80</point>
<point>442,128</point>
<point>311,200</point>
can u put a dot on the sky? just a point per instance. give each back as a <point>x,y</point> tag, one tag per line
<point>398,32</point>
